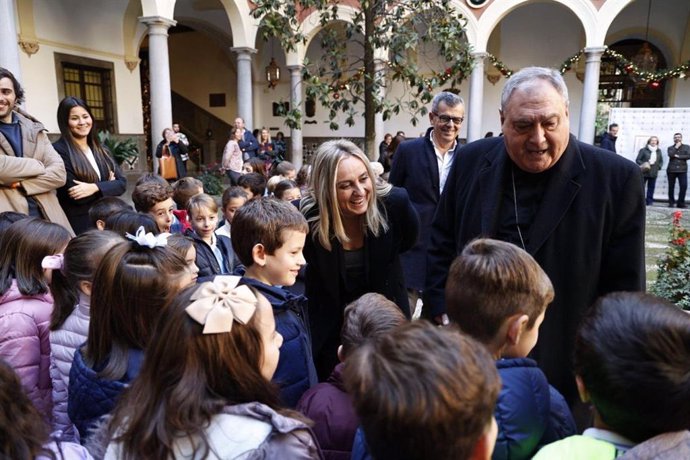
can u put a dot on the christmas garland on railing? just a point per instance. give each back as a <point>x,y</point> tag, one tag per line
<point>623,63</point>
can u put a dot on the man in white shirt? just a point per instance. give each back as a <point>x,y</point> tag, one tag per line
<point>421,166</point>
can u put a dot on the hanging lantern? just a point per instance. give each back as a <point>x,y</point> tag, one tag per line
<point>272,73</point>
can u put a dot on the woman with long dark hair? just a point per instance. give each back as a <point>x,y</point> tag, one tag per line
<point>91,172</point>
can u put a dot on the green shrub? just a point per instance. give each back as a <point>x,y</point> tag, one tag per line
<point>673,273</point>
<point>212,178</point>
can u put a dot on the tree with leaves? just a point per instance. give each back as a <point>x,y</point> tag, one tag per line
<point>390,38</point>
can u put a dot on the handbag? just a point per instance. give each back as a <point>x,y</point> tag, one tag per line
<point>167,165</point>
<point>645,167</point>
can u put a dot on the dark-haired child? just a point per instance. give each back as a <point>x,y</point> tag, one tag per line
<point>268,236</point>
<point>423,392</point>
<point>632,362</point>
<point>104,208</point>
<point>25,434</point>
<point>69,323</point>
<point>328,404</point>
<point>498,294</point>
<point>183,190</point>
<point>214,253</point>
<point>128,221</point>
<point>133,283</point>
<point>287,190</point>
<point>204,391</point>
<point>154,198</point>
<point>233,199</point>
<point>31,249</point>
<point>254,184</point>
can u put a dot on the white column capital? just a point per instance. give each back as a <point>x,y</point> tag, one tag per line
<point>595,50</point>
<point>479,55</point>
<point>243,51</point>
<point>295,68</point>
<point>158,25</point>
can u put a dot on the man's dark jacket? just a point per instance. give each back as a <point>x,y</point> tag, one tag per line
<point>587,235</point>
<point>415,169</point>
<point>608,142</point>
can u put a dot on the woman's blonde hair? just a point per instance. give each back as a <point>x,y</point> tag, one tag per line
<point>327,222</point>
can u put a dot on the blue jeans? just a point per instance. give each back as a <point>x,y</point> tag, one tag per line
<point>683,184</point>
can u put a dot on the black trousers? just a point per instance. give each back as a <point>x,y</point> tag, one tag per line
<point>683,184</point>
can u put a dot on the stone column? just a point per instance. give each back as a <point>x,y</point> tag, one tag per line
<point>244,85</point>
<point>476,102</point>
<point>9,49</point>
<point>590,94</point>
<point>296,154</point>
<point>159,76</point>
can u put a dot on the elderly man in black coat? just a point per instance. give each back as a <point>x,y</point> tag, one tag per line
<point>579,210</point>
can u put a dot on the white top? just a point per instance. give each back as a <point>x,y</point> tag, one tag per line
<point>224,230</point>
<point>92,160</point>
<point>444,161</point>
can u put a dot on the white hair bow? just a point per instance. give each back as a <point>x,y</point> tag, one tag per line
<point>219,302</point>
<point>149,239</point>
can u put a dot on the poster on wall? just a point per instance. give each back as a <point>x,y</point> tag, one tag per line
<point>637,125</point>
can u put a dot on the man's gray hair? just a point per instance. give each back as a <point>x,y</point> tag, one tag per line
<point>449,99</point>
<point>528,75</point>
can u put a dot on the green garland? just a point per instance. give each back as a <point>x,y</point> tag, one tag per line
<point>621,62</point>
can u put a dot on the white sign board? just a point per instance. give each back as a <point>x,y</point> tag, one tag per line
<point>637,125</point>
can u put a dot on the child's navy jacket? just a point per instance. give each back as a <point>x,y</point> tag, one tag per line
<point>296,372</point>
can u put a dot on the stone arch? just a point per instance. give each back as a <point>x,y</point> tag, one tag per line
<point>584,10</point>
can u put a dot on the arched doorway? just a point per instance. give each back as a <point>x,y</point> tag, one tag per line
<point>618,88</point>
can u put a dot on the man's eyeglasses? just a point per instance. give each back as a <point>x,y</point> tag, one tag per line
<point>445,119</point>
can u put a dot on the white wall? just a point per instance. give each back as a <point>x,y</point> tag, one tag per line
<point>72,27</point>
<point>199,67</point>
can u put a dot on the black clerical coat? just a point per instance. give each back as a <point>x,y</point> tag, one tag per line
<point>587,235</point>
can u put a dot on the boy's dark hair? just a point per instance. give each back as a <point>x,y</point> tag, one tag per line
<point>7,218</point>
<point>230,193</point>
<point>151,178</point>
<point>106,207</point>
<point>18,90</point>
<point>283,186</point>
<point>184,189</point>
<point>253,181</point>
<point>282,168</point>
<point>414,403</point>
<point>263,221</point>
<point>368,317</point>
<point>632,352</point>
<point>146,195</point>
<point>492,280</point>
<point>129,221</point>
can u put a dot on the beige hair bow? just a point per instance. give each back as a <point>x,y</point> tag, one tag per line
<point>219,302</point>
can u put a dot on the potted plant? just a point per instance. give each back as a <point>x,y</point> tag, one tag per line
<point>122,151</point>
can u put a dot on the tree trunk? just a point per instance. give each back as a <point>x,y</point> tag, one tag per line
<point>370,76</point>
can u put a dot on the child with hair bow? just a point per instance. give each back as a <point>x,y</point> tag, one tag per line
<point>204,390</point>
<point>31,252</point>
<point>133,283</point>
<point>71,287</point>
